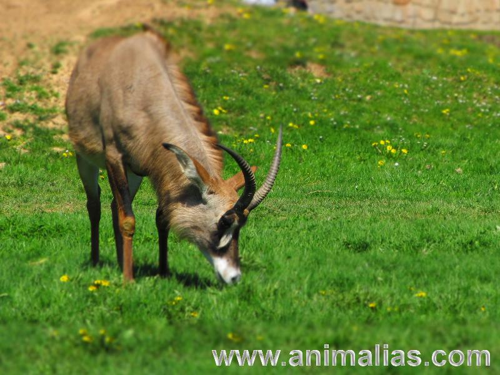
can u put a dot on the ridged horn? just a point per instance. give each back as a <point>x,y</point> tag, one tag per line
<point>271,175</point>
<point>250,186</point>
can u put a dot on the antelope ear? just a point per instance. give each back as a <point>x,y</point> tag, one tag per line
<point>238,180</point>
<point>192,169</point>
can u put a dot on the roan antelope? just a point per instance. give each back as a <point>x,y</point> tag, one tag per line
<point>132,111</point>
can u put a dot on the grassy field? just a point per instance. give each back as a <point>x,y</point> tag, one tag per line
<point>383,226</point>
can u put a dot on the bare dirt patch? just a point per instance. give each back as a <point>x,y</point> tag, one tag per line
<point>29,30</point>
<point>317,70</point>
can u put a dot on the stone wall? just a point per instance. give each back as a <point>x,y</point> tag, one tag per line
<point>424,14</point>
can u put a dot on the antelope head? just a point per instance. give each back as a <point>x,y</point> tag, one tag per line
<point>210,214</point>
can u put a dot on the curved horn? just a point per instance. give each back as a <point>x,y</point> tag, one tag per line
<point>250,186</point>
<point>271,175</point>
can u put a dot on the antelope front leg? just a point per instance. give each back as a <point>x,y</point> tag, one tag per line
<point>163,227</point>
<point>125,215</point>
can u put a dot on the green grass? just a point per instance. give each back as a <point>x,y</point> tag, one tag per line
<point>344,227</point>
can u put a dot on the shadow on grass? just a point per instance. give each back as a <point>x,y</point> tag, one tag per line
<point>190,280</point>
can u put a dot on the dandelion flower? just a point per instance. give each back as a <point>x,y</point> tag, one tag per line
<point>216,112</point>
<point>372,305</point>
<point>421,295</point>
<point>298,54</point>
<point>109,340</point>
<point>382,142</point>
<point>312,122</point>
<point>87,338</point>
<point>102,332</point>
<point>8,137</point>
<point>375,144</point>
<point>445,111</point>
<point>304,147</point>
<point>393,151</point>
<point>229,47</point>
<point>92,288</point>
<point>288,145</point>
<point>194,314</point>
<point>389,148</point>
<point>483,308</point>
<point>381,163</point>
<point>234,337</point>
<point>64,278</point>
<point>225,97</point>
<point>82,331</point>
<point>404,151</point>
<point>178,298</point>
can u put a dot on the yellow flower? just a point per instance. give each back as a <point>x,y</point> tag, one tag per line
<point>372,305</point>
<point>298,54</point>
<point>82,331</point>
<point>8,137</point>
<point>374,144</point>
<point>382,142</point>
<point>443,153</point>
<point>178,298</point>
<point>87,338</point>
<point>92,288</point>
<point>272,130</point>
<point>304,147</point>
<point>389,148</point>
<point>321,56</point>
<point>445,111</point>
<point>247,16</point>
<point>266,86</point>
<point>459,52</point>
<point>225,97</point>
<point>312,122</point>
<point>463,78</point>
<point>387,141</point>
<point>210,2</point>
<point>483,308</point>
<point>421,295</point>
<point>251,140</point>
<point>256,136</point>
<point>229,47</point>
<point>194,314</point>
<point>381,163</point>
<point>234,337</point>
<point>288,145</point>
<point>404,151</point>
<point>109,340</point>
<point>102,332</point>
<point>65,154</point>
<point>393,151</point>
<point>64,278</point>
<point>216,112</point>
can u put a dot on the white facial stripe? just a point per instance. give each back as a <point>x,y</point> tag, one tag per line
<point>227,236</point>
<point>227,272</point>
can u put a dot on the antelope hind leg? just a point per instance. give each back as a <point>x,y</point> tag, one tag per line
<point>89,175</point>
